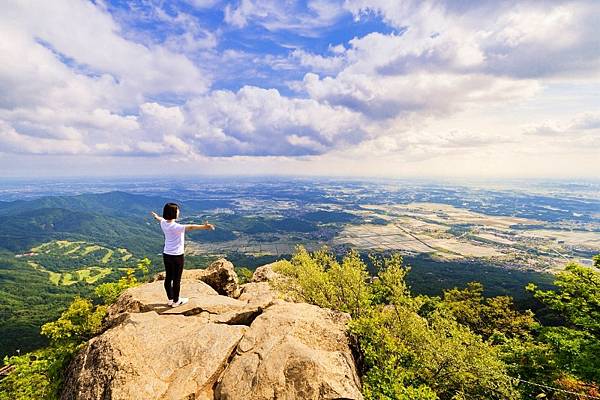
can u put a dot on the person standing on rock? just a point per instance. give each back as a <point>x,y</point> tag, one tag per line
<point>173,250</point>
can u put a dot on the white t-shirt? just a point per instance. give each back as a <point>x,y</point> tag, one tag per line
<point>174,237</point>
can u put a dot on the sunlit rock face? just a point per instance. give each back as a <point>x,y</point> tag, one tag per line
<point>255,346</point>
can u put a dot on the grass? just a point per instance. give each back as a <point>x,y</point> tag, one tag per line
<point>54,277</point>
<point>88,275</point>
<point>58,246</point>
<point>77,249</point>
<point>90,249</point>
<point>38,249</point>
<point>65,247</point>
<point>67,279</point>
<point>107,256</point>
<point>73,250</point>
<point>125,254</point>
<point>92,274</point>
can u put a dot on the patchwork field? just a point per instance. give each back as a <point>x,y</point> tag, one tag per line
<point>69,262</point>
<point>441,231</point>
<point>450,233</point>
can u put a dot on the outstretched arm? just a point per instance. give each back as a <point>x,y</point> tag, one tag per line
<point>156,216</point>
<point>206,226</point>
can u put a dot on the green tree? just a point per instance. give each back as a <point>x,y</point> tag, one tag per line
<point>244,274</point>
<point>576,344</point>
<point>487,316</point>
<point>80,322</point>
<point>39,374</point>
<point>404,355</point>
<point>318,278</point>
<point>109,292</point>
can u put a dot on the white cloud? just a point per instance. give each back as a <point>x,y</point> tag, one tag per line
<point>318,63</point>
<point>184,33</point>
<point>581,126</point>
<point>203,3</point>
<point>84,33</point>
<point>71,83</point>
<point>74,80</point>
<point>157,120</point>
<point>275,15</point>
<point>383,96</point>
<point>14,142</point>
<point>257,121</point>
<point>515,38</point>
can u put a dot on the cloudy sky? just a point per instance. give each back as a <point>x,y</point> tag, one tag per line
<point>399,88</point>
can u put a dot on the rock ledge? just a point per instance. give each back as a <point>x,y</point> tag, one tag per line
<point>248,345</point>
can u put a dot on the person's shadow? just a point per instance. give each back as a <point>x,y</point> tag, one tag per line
<point>160,308</point>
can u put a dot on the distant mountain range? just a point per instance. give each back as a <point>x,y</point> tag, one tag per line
<point>113,218</point>
<point>122,219</point>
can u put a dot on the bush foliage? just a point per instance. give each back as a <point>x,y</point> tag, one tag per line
<point>39,374</point>
<point>460,345</point>
<point>457,346</point>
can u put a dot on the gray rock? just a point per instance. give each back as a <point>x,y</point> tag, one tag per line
<point>258,293</point>
<point>221,276</point>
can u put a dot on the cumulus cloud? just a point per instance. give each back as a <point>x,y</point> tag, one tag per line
<point>579,127</point>
<point>317,62</point>
<point>158,120</point>
<point>275,15</point>
<point>255,121</point>
<point>514,38</point>
<point>72,84</point>
<point>82,32</point>
<point>381,97</point>
<point>81,78</point>
<point>443,58</point>
<point>69,54</point>
<point>14,142</point>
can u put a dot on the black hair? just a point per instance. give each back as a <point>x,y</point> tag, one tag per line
<point>170,211</point>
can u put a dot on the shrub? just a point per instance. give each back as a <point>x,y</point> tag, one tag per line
<point>39,374</point>
<point>404,355</point>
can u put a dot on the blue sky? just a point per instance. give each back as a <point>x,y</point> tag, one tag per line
<point>399,88</point>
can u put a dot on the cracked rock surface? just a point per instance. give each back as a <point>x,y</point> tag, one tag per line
<point>255,346</point>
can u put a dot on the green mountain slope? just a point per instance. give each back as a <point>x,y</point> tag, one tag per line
<point>41,225</point>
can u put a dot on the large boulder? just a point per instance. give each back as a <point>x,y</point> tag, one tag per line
<point>266,284</point>
<point>258,293</point>
<point>255,346</point>
<point>152,296</point>
<point>292,351</point>
<point>220,275</point>
<point>203,301</point>
<point>151,356</point>
<point>266,273</point>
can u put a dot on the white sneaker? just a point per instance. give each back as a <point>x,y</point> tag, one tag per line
<point>182,301</point>
<point>170,303</point>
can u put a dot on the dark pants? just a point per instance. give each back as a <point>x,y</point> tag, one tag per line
<point>173,269</point>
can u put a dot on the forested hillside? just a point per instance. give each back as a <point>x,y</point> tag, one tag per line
<point>460,345</point>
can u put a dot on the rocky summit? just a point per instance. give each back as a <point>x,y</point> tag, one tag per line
<point>229,342</point>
